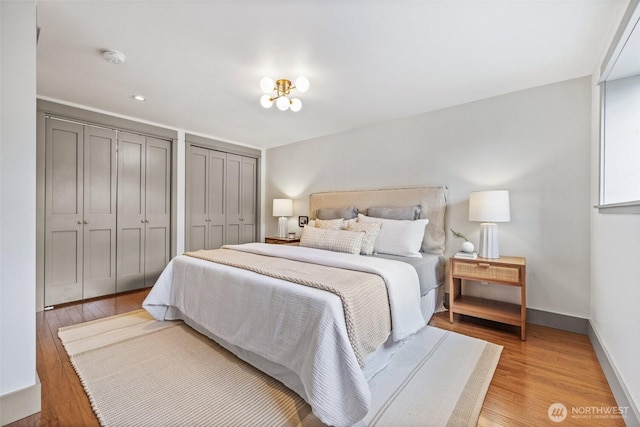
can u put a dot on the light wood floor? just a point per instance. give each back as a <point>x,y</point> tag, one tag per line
<point>551,366</point>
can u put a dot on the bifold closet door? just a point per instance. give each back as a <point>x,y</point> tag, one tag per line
<point>241,203</point>
<point>157,208</point>
<point>143,210</point>
<point>80,212</point>
<point>63,211</point>
<point>131,225</point>
<point>99,223</point>
<point>198,199</point>
<point>206,188</point>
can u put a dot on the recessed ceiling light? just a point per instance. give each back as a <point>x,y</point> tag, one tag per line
<point>113,56</point>
<point>139,97</point>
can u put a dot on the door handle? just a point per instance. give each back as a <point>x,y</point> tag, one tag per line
<point>79,222</point>
<point>86,222</point>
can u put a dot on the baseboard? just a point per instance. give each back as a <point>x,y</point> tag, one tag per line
<point>558,321</point>
<point>20,404</point>
<point>618,388</point>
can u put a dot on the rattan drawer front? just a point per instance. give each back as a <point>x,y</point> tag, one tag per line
<point>482,271</point>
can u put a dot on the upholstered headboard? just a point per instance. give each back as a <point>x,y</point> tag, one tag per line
<point>431,199</point>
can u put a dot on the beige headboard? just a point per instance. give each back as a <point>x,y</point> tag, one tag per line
<point>431,199</point>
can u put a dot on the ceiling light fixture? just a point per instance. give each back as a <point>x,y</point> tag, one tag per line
<point>113,56</point>
<point>139,97</point>
<point>282,89</point>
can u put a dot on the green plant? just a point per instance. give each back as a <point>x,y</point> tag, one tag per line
<point>459,235</point>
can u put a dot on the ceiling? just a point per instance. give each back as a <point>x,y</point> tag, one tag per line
<point>199,63</point>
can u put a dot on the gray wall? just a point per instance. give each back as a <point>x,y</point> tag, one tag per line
<point>534,143</point>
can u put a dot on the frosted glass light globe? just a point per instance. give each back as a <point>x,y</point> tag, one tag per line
<point>296,105</point>
<point>302,84</point>
<point>267,84</point>
<point>266,101</point>
<point>282,103</point>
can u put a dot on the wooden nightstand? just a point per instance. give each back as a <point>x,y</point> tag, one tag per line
<point>281,240</point>
<point>509,271</point>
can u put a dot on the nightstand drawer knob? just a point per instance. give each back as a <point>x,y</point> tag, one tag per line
<point>484,265</point>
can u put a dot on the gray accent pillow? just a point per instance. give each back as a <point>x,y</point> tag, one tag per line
<point>345,213</point>
<point>408,213</point>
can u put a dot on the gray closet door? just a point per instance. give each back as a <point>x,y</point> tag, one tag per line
<point>144,210</point>
<point>241,199</point>
<point>99,223</point>
<point>249,200</point>
<point>131,211</point>
<point>217,204</point>
<point>234,199</point>
<point>206,198</point>
<point>63,211</point>
<point>157,208</point>
<point>197,198</point>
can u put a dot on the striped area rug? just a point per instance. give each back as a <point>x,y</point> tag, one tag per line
<point>138,371</point>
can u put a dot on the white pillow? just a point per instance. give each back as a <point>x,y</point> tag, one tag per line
<point>398,237</point>
<point>332,240</point>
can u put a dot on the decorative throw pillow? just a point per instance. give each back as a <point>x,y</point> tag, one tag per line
<point>335,213</point>
<point>330,224</point>
<point>371,230</point>
<point>402,238</point>
<point>408,213</point>
<point>332,240</point>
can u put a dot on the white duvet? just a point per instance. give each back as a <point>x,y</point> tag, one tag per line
<point>296,327</point>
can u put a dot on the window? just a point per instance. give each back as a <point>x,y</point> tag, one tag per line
<point>620,119</point>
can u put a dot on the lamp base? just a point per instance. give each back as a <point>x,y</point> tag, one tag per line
<point>282,227</point>
<point>488,245</point>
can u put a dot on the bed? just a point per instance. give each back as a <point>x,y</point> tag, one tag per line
<point>305,336</point>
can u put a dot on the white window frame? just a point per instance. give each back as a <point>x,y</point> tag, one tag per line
<point>630,21</point>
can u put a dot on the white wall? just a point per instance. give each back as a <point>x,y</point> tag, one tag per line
<point>17,197</point>
<point>534,143</point>
<point>615,277</point>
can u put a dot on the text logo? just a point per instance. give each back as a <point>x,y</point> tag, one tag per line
<point>557,412</point>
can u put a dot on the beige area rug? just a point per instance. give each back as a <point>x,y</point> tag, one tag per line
<point>141,372</point>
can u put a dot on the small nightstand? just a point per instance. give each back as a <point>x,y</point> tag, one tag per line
<point>509,271</point>
<point>281,240</point>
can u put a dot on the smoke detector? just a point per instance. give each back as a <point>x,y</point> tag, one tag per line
<point>113,56</point>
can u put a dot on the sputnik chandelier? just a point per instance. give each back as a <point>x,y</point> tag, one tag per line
<point>280,92</point>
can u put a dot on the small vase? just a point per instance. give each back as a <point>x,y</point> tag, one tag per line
<point>467,247</point>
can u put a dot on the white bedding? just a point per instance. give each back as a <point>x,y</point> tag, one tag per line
<point>299,328</point>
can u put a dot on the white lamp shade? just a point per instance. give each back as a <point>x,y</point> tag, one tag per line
<point>267,84</point>
<point>266,101</point>
<point>282,207</point>
<point>489,206</point>
<point>302,84</point>
<point>296,105</point>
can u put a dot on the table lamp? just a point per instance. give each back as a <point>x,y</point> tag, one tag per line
<point>489,207</point>
<point>282,208</point>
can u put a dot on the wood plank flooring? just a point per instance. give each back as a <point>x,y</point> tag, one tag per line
<point>551,366</point>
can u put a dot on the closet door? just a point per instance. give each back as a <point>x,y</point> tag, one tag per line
<point>99,223</point>
<point>198,197</point>
<point>241,199</point>
<point>216,195</point>
<point>131,211</point>
<point>157,208</point>
<point>249,201</point>
<point>63,211</point>
<point>234,199</point>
